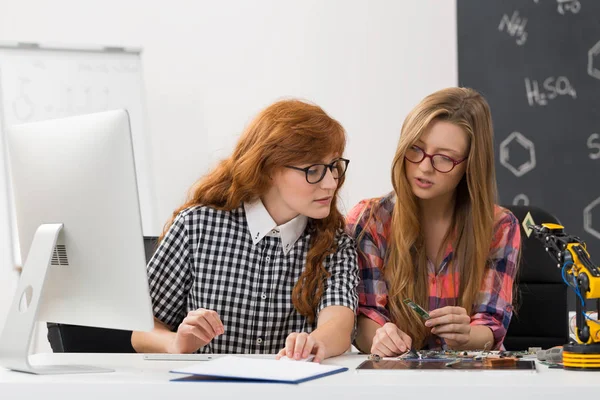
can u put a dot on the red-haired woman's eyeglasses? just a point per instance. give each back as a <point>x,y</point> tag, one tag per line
<point>316,172</point>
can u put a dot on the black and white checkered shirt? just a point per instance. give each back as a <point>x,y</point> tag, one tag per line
<point>209,259</point>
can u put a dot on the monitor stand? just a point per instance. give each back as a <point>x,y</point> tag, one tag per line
<point>16,337</point>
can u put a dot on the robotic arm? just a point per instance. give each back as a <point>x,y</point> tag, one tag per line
<point>578,271</point>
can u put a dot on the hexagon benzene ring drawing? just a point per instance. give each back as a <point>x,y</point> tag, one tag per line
<point>587,219</point>
<point>522,169</point>
<point>594,61</point>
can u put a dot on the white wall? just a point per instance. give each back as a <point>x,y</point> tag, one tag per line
<point>209,66</point>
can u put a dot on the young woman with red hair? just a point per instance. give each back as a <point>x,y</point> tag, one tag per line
<point>256,260</point>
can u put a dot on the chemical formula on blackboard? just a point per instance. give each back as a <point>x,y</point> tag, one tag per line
<point>551,88</point>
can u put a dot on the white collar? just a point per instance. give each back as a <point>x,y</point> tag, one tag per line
<point>262,224</point>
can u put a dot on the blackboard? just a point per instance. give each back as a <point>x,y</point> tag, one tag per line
<point>537,62</point>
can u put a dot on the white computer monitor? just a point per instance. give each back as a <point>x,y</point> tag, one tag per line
<point>79,229</point>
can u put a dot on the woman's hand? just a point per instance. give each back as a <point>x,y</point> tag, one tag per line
<point>452,324</point>
<point>197,330</point>
<point>301,345</point>
<point>389,340</point>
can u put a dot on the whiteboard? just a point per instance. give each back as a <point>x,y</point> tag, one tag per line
<point>39,82</point>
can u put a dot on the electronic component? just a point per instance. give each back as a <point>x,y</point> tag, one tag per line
<point>417,308</point>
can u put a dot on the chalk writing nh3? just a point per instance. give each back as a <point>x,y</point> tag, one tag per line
<point>551,88</point>
<point>514,26</point>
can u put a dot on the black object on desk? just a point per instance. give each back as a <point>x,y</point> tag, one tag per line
<point>436,364</point>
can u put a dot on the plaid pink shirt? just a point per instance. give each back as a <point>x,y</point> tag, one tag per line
<point>494,307</point>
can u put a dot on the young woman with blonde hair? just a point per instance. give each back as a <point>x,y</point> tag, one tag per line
<point>256,260</point>
<point>438,239</point>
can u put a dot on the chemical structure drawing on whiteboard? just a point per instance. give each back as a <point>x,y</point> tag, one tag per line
<point>592,208</point>
<point>521,140</point>
<point>22,105</point>
<point>594,61</point>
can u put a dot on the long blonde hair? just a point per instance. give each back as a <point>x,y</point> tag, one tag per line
<point>472,226</point>
<point>287,132</point>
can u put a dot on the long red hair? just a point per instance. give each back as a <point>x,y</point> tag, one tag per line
<point>287,132</point>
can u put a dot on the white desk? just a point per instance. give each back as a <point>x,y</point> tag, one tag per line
<point>137,378</point>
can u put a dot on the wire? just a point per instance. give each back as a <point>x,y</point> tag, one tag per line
<point>573,325</point>
<point>573,285</point>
